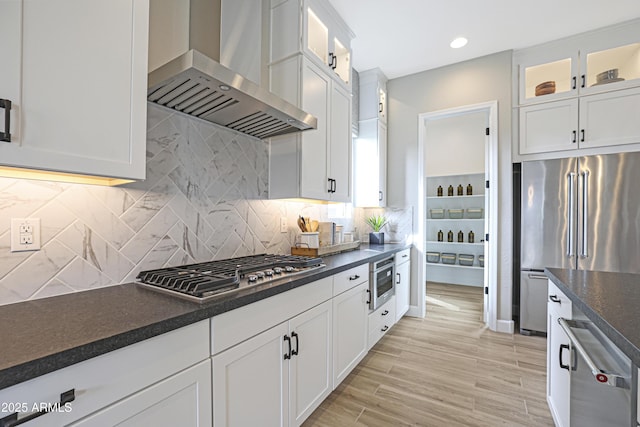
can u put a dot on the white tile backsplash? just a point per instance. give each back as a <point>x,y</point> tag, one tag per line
<point>205,197</point>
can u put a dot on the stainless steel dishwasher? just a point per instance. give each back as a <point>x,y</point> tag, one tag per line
<point>600,377</point>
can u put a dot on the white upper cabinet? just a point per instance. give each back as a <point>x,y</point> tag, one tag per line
<point>601,61</point>
<point>318,32</point>
<point>76,75</point>
<point>315,164</point>
<point>579,93</point>
<point>370,157</point>
<point>373,95</point>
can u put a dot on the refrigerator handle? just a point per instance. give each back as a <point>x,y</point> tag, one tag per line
<point>571,213</point>
<point>584,250</point>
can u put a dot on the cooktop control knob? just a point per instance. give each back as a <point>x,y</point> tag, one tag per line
<point>277,270</point>
<point>252,278</point>
<point>268,272</point>
<point>260,274</point>
<point>289,269</point>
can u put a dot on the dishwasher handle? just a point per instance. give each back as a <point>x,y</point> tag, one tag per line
<point>601,376</point>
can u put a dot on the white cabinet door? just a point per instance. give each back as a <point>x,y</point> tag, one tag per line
<point>82,87</point>
<point>316,92</point>
<point>403,278</point>
<point>181,400</point>
<point>10,34</point>
<point>382,164</point>
<point>250,382</point>
<point>310,368</point>
<point>370,163</point>
<point>340,144</point>
<point>610,118</point>
<point>549,127</point>
<point>558,377</point>
<point>350,313</point>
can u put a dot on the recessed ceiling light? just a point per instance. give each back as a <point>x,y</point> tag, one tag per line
<point>458,43</point>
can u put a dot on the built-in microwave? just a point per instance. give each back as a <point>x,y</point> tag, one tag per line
<point>381,281</point>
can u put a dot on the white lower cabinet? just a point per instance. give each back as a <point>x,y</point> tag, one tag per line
<point>285,372</point>
<point>558,376</point>
<point>350,310</point>
<point>380,321</point>
<point>132,383</point>
<point>181,400</point>
<point>403,282</point>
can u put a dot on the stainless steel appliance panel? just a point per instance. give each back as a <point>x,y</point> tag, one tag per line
<point>547,239</point>
<point>608,225</point>
<point>533,301</point>
<point>600,378</point>
<point>382,281</point>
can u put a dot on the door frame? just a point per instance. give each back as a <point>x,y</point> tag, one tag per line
<point>491,224</point>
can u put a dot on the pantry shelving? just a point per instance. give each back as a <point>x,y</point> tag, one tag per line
<point>438,218</point>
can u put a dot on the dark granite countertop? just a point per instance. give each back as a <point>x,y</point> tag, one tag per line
<point>48,334</point>
<point>609,300</point>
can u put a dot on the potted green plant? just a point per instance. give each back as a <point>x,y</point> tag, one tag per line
<point>376,222</point>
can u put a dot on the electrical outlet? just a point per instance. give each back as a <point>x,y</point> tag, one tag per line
<point>283,224</point>
<point>25,234</point>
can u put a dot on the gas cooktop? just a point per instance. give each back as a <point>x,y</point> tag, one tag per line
<point>204,281</point>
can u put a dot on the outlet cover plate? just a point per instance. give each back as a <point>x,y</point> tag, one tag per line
<point>23,231</point>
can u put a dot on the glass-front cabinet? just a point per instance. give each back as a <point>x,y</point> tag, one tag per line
<point>600,61</point>
<point>326,41</point>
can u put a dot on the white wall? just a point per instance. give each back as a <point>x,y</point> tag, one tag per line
<point>455,145</point>
<point>470,82</point>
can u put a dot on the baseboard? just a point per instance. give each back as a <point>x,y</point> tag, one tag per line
<point>505,326</point>
<point>414,311</point>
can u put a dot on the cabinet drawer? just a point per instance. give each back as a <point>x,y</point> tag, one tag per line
<point>380,321</point>
<point>403,256</point>
<point>235,326</point>
<point>103,380</point>
<point>350,278</point>
<point>558,302</point>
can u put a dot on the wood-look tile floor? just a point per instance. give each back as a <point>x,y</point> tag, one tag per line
<point>445,370</point>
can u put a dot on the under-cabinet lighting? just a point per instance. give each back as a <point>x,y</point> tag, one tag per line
<point>459,42</point>
<point>20,173</point>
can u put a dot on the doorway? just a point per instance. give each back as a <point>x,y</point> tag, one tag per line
<point>458,155</point>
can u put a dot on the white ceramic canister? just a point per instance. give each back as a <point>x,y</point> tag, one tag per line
<point>310,239</point>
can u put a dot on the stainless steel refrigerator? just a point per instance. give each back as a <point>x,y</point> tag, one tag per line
<point>578,213</point>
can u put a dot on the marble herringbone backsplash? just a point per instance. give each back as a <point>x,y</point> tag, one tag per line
<point>205,197</point>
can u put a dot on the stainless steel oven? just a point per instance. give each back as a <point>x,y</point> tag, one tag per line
<point>382,281</point>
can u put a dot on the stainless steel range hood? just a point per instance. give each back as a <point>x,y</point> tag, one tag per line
<point>196,84</point>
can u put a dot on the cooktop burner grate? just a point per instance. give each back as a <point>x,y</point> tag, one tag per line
<point>207,279</point>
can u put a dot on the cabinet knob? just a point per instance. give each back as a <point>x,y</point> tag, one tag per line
<point>554,298</point>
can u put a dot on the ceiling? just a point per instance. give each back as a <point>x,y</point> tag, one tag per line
<point>407,36</point>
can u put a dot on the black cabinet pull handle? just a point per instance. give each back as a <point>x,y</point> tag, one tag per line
<point>555,298</point>
<point>379,196</point>
<point>582,135</point>
<point>380,107</point>
<point>295,352</point>
<point>405,256</point>
<point>12,420</point>
<point>6,135</point>
<point>369,296</point>
<point>574,82</point>
<point>575,135</point>
<point>399,278</point>
<point>330,185</point>
<point>288,354</point>
<point>384,313</point>
<point>385,329</point>
<point>584,81</point>
<point>354,277</point>
<point>334,186</point>
<point>562,347</point>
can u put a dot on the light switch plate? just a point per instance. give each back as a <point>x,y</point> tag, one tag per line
<point>25,234</point>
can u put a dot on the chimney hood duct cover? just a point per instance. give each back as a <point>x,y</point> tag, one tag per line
<point>199,86</point>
